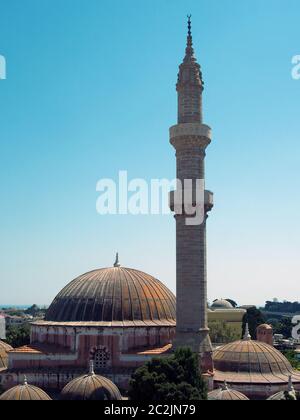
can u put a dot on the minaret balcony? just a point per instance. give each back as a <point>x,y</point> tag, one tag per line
<point>197,133</point>
<point>176,200</point>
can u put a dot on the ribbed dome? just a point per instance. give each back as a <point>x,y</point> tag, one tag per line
<point>91,387</point>
<point>113,294</point>
<point>287,395</point>
<point>25,392</point>
<point>283,396</point>
<point>4,349</point>
<point>252,361</point>
<point>264,327</point>
<point>221,304</point>
<point>226,394</point>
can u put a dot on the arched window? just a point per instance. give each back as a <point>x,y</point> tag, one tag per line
<point>101,357</point>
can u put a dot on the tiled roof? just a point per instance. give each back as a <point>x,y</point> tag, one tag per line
<point>157,351</point>
<point>41,349</point>
<point>105,324</point>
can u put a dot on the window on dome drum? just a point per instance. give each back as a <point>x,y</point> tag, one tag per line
<point>101,358</point>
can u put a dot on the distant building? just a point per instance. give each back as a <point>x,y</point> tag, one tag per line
<point>265,334</point>
<point>222,311</point>
<point>17,321</point>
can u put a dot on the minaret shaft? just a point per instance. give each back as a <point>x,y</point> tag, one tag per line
<point>190,137</point>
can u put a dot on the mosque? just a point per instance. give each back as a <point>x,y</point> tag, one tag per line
<point>108,322</point>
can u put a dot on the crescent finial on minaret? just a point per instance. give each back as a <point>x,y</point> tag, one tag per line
<point>189,25</point>
<point>189,46</point>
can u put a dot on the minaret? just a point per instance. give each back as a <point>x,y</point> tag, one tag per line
<point>190,137</point>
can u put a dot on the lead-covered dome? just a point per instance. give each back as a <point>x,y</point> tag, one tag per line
<point>252,361</point>
<point>221,304</point>
<point>4,349</point>
<point>114,294</point>
<point>91,387</point>
<point>286,395</point>
<point>25,392</point>
<point>226,394</point>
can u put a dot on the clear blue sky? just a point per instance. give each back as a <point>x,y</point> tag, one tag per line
<point>91,91</point>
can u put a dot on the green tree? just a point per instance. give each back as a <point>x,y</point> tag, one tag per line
<point>292,358</point>
<point>254,318</point>
<point>18,336</point>
<point>173,378</point>
<point>222,333</point>
<point>283,326</point>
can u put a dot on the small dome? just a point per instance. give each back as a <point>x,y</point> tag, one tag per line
<point>264,327</point>
<point>221,304</point>
<point>247,360</point>
<point>288,394</point>
<point>114,294</point>
<point>91,387</point>
<point>4,349</point>
<point>226,394</point>
<point>25,392</point>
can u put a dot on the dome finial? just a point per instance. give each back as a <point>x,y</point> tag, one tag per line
<point>291,386</point>
<point>92,372</point>
<point>117,263</point>
<point>225,386</point>
<point>247,336</point>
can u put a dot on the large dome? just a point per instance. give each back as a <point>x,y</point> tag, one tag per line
<point>114,295</point>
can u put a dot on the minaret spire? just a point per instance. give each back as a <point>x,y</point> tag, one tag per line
<point>189,52</point>
<point>190,85</point>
